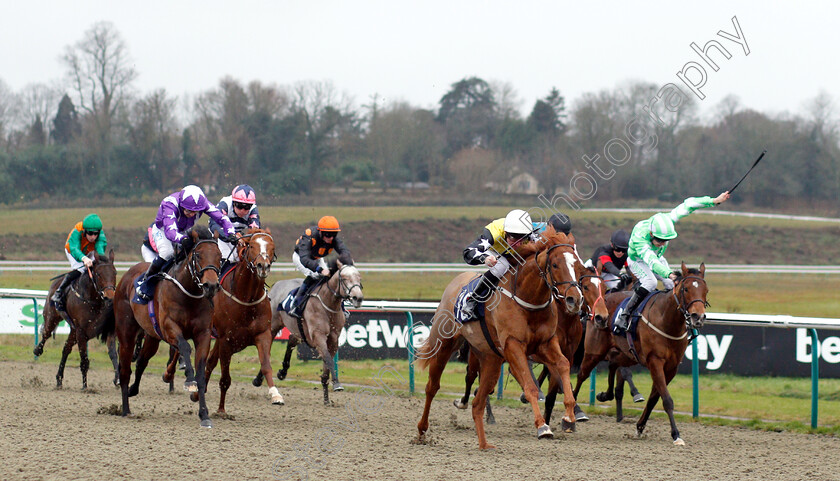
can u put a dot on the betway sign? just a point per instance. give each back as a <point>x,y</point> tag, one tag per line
<point>728,349</point>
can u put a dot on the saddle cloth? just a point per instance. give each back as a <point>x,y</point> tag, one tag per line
<point>634,316</point>
<point>478,313</point>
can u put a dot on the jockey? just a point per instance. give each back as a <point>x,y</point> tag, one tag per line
<point>493,249</point>
<point>177,213</point>
<point>647,245</point>
<point>559,221</point>
<point>85,241</point>
<point>310,250</point>
<point>610,258</point>
<point>240,207</point>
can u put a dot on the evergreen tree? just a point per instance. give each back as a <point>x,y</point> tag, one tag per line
<point>66,126</point>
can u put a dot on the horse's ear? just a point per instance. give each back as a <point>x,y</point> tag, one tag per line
<point>216,234</point>
<point>338,263</point>
<point>702,268</point>
<point>684,269</point>
<point>111,256</point>
<point>268,231</point>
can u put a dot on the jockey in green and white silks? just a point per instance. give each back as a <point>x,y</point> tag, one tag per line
<point>648,243</point>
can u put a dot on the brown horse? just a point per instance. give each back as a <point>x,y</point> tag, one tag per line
<point>89,306</point>
<point>242,312</point>
<point>662,331</point>
<point>183,303</point>
<point>569,335</point>
<point>522,322</point>
<point>322,321</point>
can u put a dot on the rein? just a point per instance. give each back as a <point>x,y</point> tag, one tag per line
<point>252,266</point>
<point>588,309</point>
<point>100,292</point>
<point>682,307</point>
<point>192,267</point>
<point>548,277</point>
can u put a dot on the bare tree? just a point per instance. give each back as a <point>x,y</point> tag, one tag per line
<point>154,134</point>
<point>101,73</point>
<point>39,101</point>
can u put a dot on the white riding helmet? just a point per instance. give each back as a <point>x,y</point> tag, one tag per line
<point>518,222</point>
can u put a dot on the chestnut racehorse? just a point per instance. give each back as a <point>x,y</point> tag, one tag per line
<point>242,312</point>
<point>89,307</point>
<point>663,331</point>
<point>183,303</point>
<point>519,324</point>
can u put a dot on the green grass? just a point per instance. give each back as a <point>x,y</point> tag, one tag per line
<point>758,402</point>
<point>804,294</point>
<point>59,220</point>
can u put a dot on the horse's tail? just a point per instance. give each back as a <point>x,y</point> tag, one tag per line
<point>109,326</point>
<point>444,337</point>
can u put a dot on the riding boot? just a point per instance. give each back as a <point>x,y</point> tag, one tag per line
<point>58,295</point>
<point>302,291</point>
<point>622,322</point>
<point>481,293</point>
<point>144,291</point>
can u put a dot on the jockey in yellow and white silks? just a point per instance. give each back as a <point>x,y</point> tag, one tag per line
<point>648,243</point>
<point>493,249</point>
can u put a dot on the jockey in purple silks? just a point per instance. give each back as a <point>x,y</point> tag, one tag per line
<point>177,214</point>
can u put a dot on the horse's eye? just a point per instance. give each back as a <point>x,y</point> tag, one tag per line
<point>554,265</point>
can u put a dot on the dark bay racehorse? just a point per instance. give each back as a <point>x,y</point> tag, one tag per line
<point>520,324</point>
<point>89,307</point>
<point>323,319</point>
<point>663,332</point>
<point>242,312</point>
<point>183,306</point>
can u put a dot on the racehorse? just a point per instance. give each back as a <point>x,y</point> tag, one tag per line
<point>519,324</point>
<point>88,310</point>
<point>569,334</point>
<point>321,322</point>
<point>663,331</point>
<point>242,313</point>
<point>183,304</point>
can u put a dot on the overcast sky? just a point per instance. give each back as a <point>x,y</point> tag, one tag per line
<point>414,51</point>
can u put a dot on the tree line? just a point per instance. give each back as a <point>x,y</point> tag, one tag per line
<point>93,131</point>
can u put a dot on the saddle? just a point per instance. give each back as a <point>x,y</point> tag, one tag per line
<point>288,302</point>
<point>151,283</point>
<point>460,302</point>
<point>635,315</point>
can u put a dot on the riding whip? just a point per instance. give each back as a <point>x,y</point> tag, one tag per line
<point>751,168</point>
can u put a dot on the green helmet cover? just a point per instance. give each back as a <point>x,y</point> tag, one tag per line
<point>92,222</point>
<point>662,227</point>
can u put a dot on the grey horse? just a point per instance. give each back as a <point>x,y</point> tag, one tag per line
<point>322,321</point>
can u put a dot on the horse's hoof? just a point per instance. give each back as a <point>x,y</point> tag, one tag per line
<point>491,420</point>
<point>337,387</point>
<point>281,375</point>
<point>541,397</point>
<point>544,432</point>
<point>637,398</point>
<point>278,400</point>
<point>133,390</point>
<point>191,386</point>
<point>568,425</point>
<point>602,397</point>
<point>38,350</point>
<point>618,418</point>
<point>194,397</point>
<point>486,447</point>
<point>522,398</point>
<point>458,404</point>
<point>580,416</point>
<point>679,442</point>
<point>206,423</point>
<point>257,382</point>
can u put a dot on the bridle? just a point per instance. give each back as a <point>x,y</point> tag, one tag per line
<point>194,269</point>
<point>252,265</point>
<point>547,275</point>
<point>586,310</point>
<point>343,285</point>
<point>681,302</point>
<point>94,274</point>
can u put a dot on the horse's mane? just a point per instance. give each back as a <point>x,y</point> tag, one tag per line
<point>203,232</point>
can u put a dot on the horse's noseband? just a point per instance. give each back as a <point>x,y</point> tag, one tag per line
<point>195,269</point>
